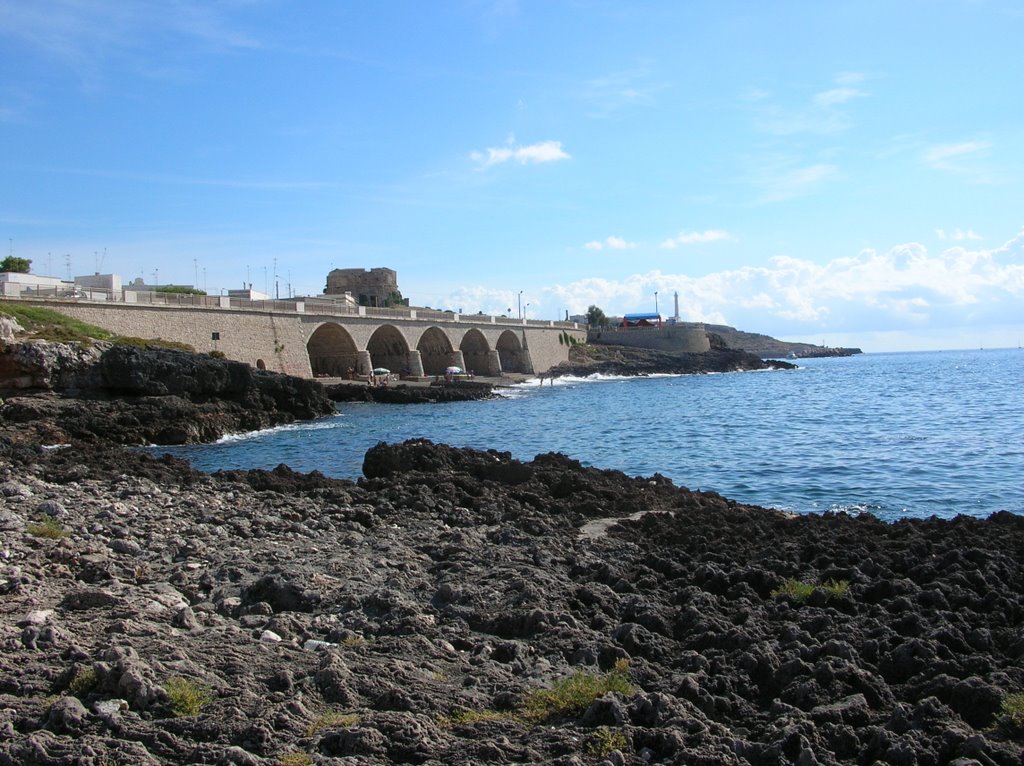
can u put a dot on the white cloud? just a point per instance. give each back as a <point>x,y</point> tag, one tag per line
<point>794,182</point>
<point>611,243</point>
<point>543,151</point>
<point>964,158</point>
<point>695,237</point>
<point>837,96</point>
<point>904,289</point>
<point>821,115</point>
<point>620,90</point>
<point>958,235</point>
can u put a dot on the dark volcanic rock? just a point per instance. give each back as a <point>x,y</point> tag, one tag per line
<point>456,391</point>
<point>624,360</point>
<point>409,618</point>
<point>129,395</point>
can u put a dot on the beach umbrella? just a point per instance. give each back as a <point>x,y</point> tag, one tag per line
<point>453,371</point>
<point>381,371</point>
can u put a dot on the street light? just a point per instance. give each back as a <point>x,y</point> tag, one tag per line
<point>655,301</point>
<point>519,304</point>
<point>526,310</point>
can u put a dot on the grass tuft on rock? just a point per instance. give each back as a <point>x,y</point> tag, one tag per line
<point>1011,712</point>
<point>331,719</point>
<point>571,696</point>
<point>83,682</point>
<point>188,698</point>
<point>800,590</point>
<point>604,741</point>
<point>48,527</point>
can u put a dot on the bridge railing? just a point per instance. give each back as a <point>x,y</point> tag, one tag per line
<point>311,305</point>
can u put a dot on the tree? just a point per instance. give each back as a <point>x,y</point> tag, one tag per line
<point>395,299</point>
<point>596,317</point>
<point>15,264</point>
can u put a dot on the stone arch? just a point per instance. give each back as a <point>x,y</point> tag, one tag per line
<point>435,349</point>
<point>514,358</point>
<point>388,348</point>
<point>477,354</point>
<point>332,352</point>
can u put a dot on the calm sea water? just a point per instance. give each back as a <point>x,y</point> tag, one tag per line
<point>912,434</point>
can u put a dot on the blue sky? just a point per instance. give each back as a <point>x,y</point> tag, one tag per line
<point>847,172</point>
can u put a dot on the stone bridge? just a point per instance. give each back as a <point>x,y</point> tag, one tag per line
<point>313,338</point>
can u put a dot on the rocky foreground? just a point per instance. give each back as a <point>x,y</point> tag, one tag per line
<point>460,607</point>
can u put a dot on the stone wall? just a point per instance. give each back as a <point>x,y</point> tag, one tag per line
<point>692,338</point>
<point>278,340</point>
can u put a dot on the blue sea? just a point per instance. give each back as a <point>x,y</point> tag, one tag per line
<point>897,435</point>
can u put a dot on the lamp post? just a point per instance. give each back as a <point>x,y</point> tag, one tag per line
<point>526,311</point>
<point>655,301</point>
<point>519,304</point>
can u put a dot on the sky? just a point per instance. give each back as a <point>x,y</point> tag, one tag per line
<point>847,172</point>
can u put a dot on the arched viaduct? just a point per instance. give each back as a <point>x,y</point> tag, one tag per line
<point>335,348</point>
<point>288,337</point>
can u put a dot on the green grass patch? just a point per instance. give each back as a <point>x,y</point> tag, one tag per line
<point>331,719</point>
<point>800,591</point>
<point>83,682</point>
<point>604,741</point>
<point>296,759</point>
<point>188,698</point>
<point>48,527</point>
<point>836,588</point>
<point>129,340</point>
<point>470,717</point>
<point>47,324</point>
<point>572,696</point>
<point>1011,712</point>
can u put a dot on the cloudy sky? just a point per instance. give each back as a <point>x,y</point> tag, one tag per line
<point>847,172</point>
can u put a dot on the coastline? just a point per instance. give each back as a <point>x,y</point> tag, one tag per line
<point>415,616</point>
<point>437,610</point>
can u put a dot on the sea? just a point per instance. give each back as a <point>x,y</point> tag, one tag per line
<point>936,433</point>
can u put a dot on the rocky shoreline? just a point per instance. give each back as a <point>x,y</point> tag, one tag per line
<point>461,607</point>
<point>608,359</point>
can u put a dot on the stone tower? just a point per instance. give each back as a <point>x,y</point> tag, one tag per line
<point>369,287</point>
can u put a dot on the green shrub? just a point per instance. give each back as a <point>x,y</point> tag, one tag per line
<point>48,527</point>
<point>573,695</point>
<point>218,354</point>
<point>188,698</point>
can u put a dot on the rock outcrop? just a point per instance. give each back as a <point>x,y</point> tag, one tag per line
<point>461,607</point>
<point>402,393</point>
<point>55,392</point>
<point>625,360</point>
